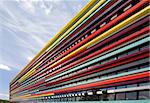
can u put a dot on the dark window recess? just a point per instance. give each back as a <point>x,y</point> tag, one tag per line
<point>144,94</point>
<point>103,76</point>
<point>105,61</point>
<point>122,55</point>
<point>122,71</point>
<point>145,65</point>
<point>120,87</point>
<point>111,88</point>
<point>111,97</point>
<point>145,46</point>
<point>133,51</point>
<point>111,74</point>
<point>119,71</point>
<point>131,85</point>
<point>144,84</point>
<point>132,69</point>
<point>131,95</point>
<point>120,96</point>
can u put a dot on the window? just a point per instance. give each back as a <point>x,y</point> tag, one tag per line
<point>103,76</point>
<point>93,31</point>
<point>78,98</point>
<point>102,24</point>
<point>111,74</point>
<point>110,96</point>
<point>144,66</point>
<point>129,6</point>
<point>122,71</point>
<point>104,61</point>
<point>131,96</point>
<point>122,55</point>
<point>111,88</point>
<point>144,47</point>
<point>120,87</point>
<point>144,94</point>
<point>132,85</point>
<point>133,51</point>
<point>144,84</point>
<point>120,96</point>
<point>132,69</point>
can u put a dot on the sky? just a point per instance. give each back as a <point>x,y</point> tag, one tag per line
<point>25,27</point>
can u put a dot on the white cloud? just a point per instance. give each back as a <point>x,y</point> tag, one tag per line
<point>29,58</point>
<point>4,96</point>
<point>28,5</point>
<point>25,27</point>
<point>4,67</point>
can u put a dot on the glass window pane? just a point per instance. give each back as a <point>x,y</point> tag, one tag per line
<point>122,55</point>
<point>110,96</point>
<point>144,66</point>
<point>144,94</point>
<point>111,88</point>
<point>120,96</point>
<point>103,89</point>
<point>131,69</point>
<point>122,71</point>
<point>144,47</point>
<point>111,74</point>
<point>103,76</point>
<point>131,96</point>
<point>119,87</point>
<point>144,84</point>
<point>132,85</point>
<point>133,51</point>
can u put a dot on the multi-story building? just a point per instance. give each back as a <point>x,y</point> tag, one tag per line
<point>101,54</point>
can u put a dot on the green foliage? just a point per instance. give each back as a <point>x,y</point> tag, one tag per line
<point>4,101</point>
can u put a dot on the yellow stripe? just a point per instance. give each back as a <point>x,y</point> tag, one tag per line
<point>23,96</point>
<point>34,69</point>
<point>27,75</point>
<point>76,24</point>
<point>92,2</point>
<point>40,62</point>
<point>49,94</point>
<point>105,34</point>
<point>34,96</point>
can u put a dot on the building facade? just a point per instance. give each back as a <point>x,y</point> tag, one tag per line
<point>102,54</point>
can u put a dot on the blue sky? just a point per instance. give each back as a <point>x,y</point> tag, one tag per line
<point>25,27</point>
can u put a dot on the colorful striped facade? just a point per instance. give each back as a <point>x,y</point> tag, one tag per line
<point>101,54</point>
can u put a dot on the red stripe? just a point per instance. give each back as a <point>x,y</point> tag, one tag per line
<point>130,58</point>
<point>112,22</point>
<point>125,82</point>
<point>99,68</point>
<point>98,32</point>
<point>91,19</point>
<point>135,35</point>
<point>74,33</point>
<point>100,83</point>
<point>98,52</point>
<point>119,18</point>
<point>130,11</point>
